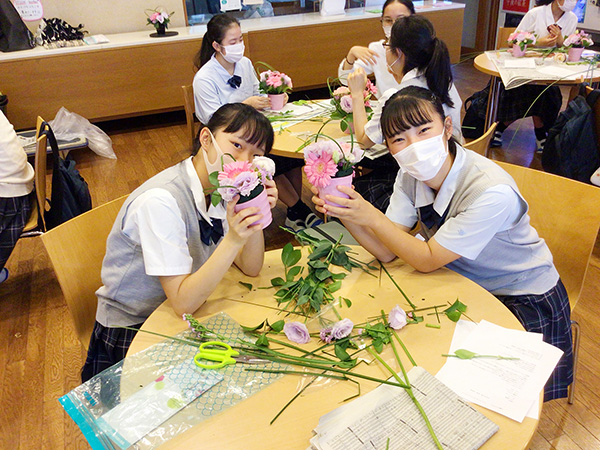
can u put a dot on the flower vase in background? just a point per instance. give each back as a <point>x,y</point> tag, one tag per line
<point>576,44</point>
<point>519,52</point>
<point>161,28</point>
<point>276,85</point>
<point>519,41</point>
<point>341,99</point>
<point>277,101</point>
<point>574,54</point>
<point>330,164</point>
<point>159,18</point>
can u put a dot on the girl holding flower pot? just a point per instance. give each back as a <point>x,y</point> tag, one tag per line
<point>550,21</point>
<point>472,219</point>
<point>225,75</point>
<point>169,242</point>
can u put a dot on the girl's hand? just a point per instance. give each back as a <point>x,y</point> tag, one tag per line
<point>554,30</point>
<point>316,200</point>
<point>363,54</point>
<point>546,41</point>
<point>286,98</point>
<point>272,192</point>
<point>354,209</point>
<point>357,81</point>
<point>258,102</point>
<point>240,223</point>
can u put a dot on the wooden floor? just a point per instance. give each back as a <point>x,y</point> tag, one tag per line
<point>40,356</point>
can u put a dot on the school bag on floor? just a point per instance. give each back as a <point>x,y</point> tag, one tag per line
<point>473,124</point>
<point>70,192</point>
<point>571,148</point>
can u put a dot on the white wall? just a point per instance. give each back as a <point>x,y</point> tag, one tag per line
<point>469,22</point>
<point>111,16</point>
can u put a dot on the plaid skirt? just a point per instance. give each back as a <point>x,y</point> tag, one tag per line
<point>377,186</point>
<point>107,347</point>
<point>14,214</point>
<point>549,314</point>
<point>283,164</point>
<point>523,101</point>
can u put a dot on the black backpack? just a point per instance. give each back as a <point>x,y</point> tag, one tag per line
<point>14,34</point>
<point>473,124</point>
<point>70,192</point>
<point>571,148</point>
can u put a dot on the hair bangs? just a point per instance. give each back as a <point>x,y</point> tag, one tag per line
<point>404,112</point>
<point>256,130</point>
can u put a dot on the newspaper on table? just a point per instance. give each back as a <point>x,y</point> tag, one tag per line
<point>516,72</point>
<point>388,418</point>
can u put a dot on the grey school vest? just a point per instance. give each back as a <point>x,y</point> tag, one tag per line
<point>516,261</point>
<point>128,296</point>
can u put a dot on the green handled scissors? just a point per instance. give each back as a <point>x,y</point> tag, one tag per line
<point>223,355</point>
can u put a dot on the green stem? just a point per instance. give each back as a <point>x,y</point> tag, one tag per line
<point>412,305</point>
<point>404,347</point>
<point>292,399</point>
<point>184,341</point>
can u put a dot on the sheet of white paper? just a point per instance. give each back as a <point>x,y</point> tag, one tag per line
<point>521,63</point>
<point>508,387</point>
<point>561,72</point>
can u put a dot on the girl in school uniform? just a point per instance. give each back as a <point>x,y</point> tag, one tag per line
<point>472,218</point>
<point>372,58</point>
<point>414,57</point>
<point>225,75</point>
<point>170,242</point>
<point>551,21</point>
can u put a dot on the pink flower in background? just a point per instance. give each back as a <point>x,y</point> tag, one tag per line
<point>233,169</point>
<point>296,332</point>
<point>340,92</point>
<point>154,17</point>
<point>319,168</point>
<point>346,103</point>
<point>287,80</point>
<point>397,318</point>
<point>273,82</point>
<point>265,166</point>
<point>325,335</point>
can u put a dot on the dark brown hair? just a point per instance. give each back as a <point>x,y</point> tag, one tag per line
<point>215,32</point>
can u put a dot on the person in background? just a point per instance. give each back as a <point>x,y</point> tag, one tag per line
<point>472,220</point>
<point>551,21</point>
<point>415,57</point>
<point>372,58</point>
<point>16,186</point>
<point>169,242</point>
<point>225,75</point>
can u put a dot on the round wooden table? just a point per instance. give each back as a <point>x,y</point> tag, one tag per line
<point>246,425</point>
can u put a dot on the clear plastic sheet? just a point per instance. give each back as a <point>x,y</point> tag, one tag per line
<point>109,389</point>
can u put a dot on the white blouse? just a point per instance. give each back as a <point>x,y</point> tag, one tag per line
<point>538,19</point>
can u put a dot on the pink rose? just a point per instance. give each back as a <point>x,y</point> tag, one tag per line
<point>397,318</point>
<point>296,332</point>
<point>346,103</point>
<point>245,182</point>
<point>342,329</point>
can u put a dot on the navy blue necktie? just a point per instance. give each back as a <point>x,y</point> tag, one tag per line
<point>430,218</point>
<point>210,233</point>
<point>235,81</point>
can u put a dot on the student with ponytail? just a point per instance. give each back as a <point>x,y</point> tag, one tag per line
<point>415,57</point>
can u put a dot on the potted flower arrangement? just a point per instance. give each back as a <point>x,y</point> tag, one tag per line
<point>329,164</point>
<point>159,18</point>
<point>342,101</point>
<point>246,180</point>
<point>576,43</point>
<point>275,84</point>
<point>519,41</point>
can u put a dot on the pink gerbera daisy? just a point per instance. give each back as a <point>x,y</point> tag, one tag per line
<point>233,169</point>
<point>319,168</point>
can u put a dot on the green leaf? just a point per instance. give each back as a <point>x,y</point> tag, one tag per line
<point>278,326</point>
<point>465,354</point>
<point>215,198</point>
<point>277,281</point>
<point>321,250</point>
<point>213,178</point>
<point>289,256</point>
<point>262,341</point>
<point>378,345</point>
<point>322,274</point>
<point>246,285</point>
<point>455,310</point>
<point>338,276</point>
<point>335,286</point>
<point>348,302</point>
<point>341,353</point>
<point>251,329</point>
<point>293,272</point>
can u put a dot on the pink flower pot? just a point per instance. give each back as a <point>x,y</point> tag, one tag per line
<point>261,201</point>
<point>517,52</point>
<point>574,54</point>
<point>332,189</point>
<point>277,101</point>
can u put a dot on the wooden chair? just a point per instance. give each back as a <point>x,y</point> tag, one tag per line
<point>481,145</point>
<point>76,249</point>
<point>190,116</point>
<point>566,214</point>
<point>502,36</point>
<point>36,224</point>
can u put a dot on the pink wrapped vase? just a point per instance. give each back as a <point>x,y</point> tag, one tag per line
<point>574,54</point>
<point>277,101</point>
<point>332,189</point>
<point>261,201</point>
<point>517,52</point>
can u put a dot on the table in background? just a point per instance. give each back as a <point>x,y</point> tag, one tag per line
<point>246,425</point>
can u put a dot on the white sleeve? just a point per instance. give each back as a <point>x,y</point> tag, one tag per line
<point>206,98</point>
<point>571,24</point>
<point>401,209</point>
<point>154,221</point>
<point>467,234</point>
<point>528,22</point>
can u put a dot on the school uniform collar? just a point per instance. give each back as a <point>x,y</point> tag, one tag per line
<point>410,75</point>
<point>216,212</point>
<point>424,195</point>
<point>549,17</point>
<point>222,72</point>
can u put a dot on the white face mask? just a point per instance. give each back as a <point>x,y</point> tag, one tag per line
<point>568,5</point>
<point>387,31</point>
<point>233,53</point>
<point>390,66</point>
<point>423,159</point>
<point>217,164</point>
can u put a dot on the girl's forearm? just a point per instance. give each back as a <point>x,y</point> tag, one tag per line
<point>360,120</point>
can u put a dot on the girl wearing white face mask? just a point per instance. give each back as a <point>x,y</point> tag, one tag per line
<point>472,219</point>
<point>372,58</point>
<point>551,21</point>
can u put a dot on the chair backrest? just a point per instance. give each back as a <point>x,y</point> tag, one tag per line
<point>76,249</point>
<point>566,213</point>
<point>481,145</point>
<point>503,34</point>
<point>188,104</point>
<point>40,163</point>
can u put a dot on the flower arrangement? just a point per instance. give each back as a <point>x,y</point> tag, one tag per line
<point>159,18</point>
<point>273,82</point>
<point>341,99</point>
<point>327,159</point>
<point>579,39</point>
<point>241,178</point>
<point>522,39</point>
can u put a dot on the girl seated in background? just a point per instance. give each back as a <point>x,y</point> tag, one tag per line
<point>551,21</point>
<point>415,57</point>
<point>372,59</point>
<point>170,242</point>
<point>472,217</point>
<point>225,75</point>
